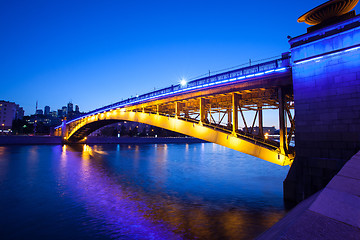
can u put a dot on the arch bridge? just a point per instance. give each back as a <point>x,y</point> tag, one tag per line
<point>210,108</point>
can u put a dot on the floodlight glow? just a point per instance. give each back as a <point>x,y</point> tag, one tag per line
<point>183,82</point>
<point>317,59</point>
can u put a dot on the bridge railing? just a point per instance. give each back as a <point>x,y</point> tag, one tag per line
<point>226,77</point>
<point>256,139</point>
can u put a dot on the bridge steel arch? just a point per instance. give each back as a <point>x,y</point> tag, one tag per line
<point>197,130</point>
<point>210,109</point>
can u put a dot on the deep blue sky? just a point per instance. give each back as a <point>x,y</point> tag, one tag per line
<point>98,52</point>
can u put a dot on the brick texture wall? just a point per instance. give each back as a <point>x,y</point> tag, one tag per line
<point>327,108</point>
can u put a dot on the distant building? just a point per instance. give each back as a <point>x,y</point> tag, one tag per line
<point>277,132</point>
<point>19,112</point>
<point>268,130</point>
<point>39,112</point>
<point>53,114</point>
<point>64,111</point>
<point>9,111</point>
<point>47,110</point>
<point>60,113</point>
<point>127,128</point>
<point>71,113</point>
<point>44,123</point>
<point>70,108</point>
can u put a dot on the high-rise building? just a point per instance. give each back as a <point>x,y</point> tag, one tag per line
<point>77,109</point>
<point>60,113</point>
<point>64,110</point>
<point>19,112</point>
<point>70,107</point>
<point>39,112</point>
<point>53,114</point>
<point>46,110</point>
<point>7,115</point>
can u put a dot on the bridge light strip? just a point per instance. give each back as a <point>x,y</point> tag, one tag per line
<point>183,90</point>
<point>318,58</point>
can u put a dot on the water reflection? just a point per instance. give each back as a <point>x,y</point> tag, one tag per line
<point>116,201</point>
<point>2,151</point>
<point>3,163</point>
<point>161,191</point>
<point>32,161</point>
<point>123,211</point>
<point>159,168</point>
<point>63,163</point>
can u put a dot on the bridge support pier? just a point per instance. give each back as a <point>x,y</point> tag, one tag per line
<point>202,111</point>
<point>261,131</point>
<point>282,121</point>
<point>326,81</point>
<point>63,131</point>
<point>177,109</point>
<point>235,118</point>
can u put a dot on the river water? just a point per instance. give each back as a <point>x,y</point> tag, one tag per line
<point>149,191</point>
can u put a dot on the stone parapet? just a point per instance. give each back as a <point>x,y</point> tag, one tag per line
<point>326,82</point>
<point>332,213</point>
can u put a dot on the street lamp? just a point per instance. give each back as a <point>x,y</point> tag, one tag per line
<point>266,135</point>
<point>183,82</point>
<point>3,126</point>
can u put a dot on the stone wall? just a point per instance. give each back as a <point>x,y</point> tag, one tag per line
<point>332,213</point>
<point>326,80</point>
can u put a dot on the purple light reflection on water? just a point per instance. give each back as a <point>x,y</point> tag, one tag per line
<point>150,191</point>
<point>124,214</point>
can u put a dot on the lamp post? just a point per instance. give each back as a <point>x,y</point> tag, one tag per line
<point>3,125</point>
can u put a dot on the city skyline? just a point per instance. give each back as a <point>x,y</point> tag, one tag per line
<point>97,54</point>
<point>45,108</point>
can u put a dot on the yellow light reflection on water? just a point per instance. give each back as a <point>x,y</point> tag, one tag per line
<point>63,155</point>
<point>234,224</point>
<point>63,167</point>
<point>2,151</point>
<point>87,152</point>
<point>85,168</point>
<point>198,220</point>
<point>3,163</point>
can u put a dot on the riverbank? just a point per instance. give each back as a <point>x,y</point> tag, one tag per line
<point>332,213</point>
<point>52,140</point>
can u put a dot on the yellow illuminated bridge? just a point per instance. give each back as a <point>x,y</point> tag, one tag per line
<point>210,108</point>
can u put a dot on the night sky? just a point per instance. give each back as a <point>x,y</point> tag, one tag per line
<point>94,53</point>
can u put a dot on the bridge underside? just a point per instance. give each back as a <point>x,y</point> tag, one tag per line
<point>85,130</point>
<point>262,149</point>
<point>212,115</point>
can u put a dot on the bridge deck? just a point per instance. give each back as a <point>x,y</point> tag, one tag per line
<point>275,73</point>
<point>197,104</point>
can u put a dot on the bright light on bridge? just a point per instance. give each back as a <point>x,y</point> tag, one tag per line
<point>266,135</point>
<point>183,82</point>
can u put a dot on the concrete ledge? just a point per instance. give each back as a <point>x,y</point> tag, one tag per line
<point>38,140</point>
<point>333,213</point>
<point>29,140</point>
